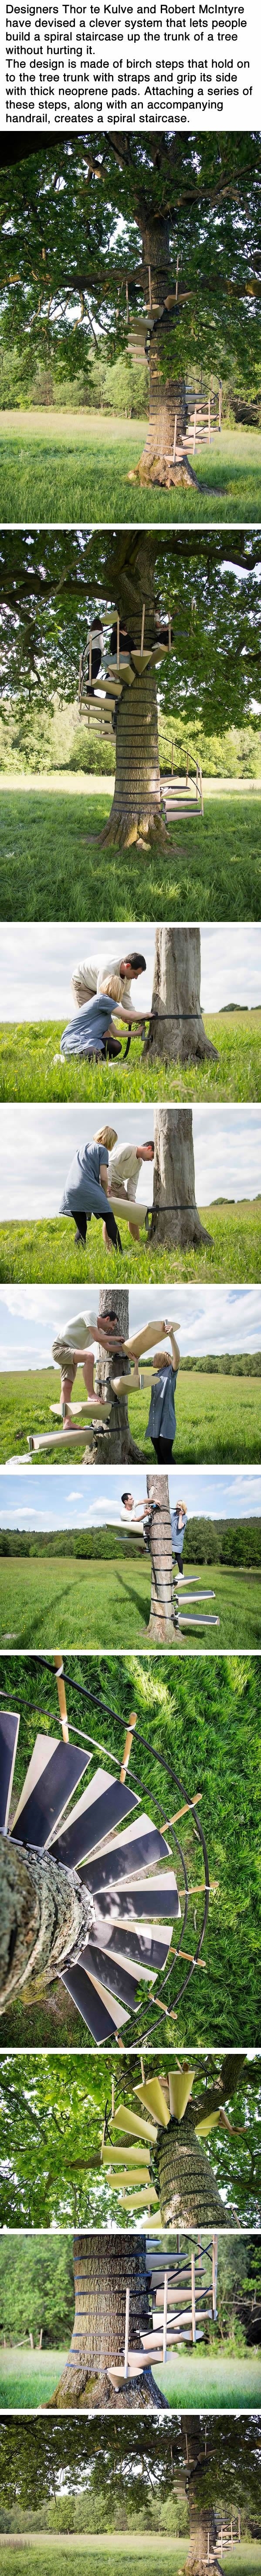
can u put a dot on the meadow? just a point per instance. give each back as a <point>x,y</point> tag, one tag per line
<point>205,2379</point>
<point>29,1069</point>
<point>53,868</point>
<point>100,1601</point>
<point>217,1417</point>
<point>47,2552</point>
<point>57,465</point>
<point>45,1250</point>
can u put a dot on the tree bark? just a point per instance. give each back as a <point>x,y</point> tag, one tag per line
<point>176,991</point>
<point>113,1442</point>
<point>167,392</point>
<point>161,1622</point>
<point>135,814</point>
<point>104,2267</point>
<point>46,1917</point>
<point>187,2187</point>
<point>202,2522</point>
<point>175,1217</point>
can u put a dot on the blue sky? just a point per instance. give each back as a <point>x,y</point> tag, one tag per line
<point>37,1146</point>
<point>53,1498</point>
<point>209,1319</point>
<point>37,967</point>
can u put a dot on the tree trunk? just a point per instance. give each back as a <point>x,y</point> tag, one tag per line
<point>167,391</point>
<point>178,1028</point>
<point>175,1217</point>
<point>161,1623</point>
<point>113,1441</point>
<point>135,814</point>
<point>46,1917</point>
<point>202,2522</point>
<point>104,2267</point>
<point>187,2186</point>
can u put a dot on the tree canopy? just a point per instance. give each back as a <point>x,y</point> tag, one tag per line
<point>148,2454</point>
<point>83,214</point>
<point>51,582</point>
<point>51,2123</point>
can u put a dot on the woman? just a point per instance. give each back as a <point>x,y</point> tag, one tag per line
<point>88,1034</point>
<point>178,1526</point>
<point>86,1189</point>
<point>73,1349</point>
<point>161,1426</point>
<point>92,657</point>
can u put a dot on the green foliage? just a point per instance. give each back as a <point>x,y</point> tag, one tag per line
<point>64,202</point>
<point>206,1542</point>
<point>54,584</point>
<point>36,2289</point>
<point>51,2123</point>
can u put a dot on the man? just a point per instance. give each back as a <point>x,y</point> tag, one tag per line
<point>88,980</point>
<point>138,1512</point>
<point>73,1348</point>
<point>124,1165</point>
<point>178,1525</point>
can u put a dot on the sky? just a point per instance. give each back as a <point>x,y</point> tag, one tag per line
<point>39,958</point>
<point>55,1499</point>
<point>209,1319</point>
<point>37,1147</point>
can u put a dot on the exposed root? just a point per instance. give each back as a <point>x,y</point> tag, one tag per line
<point>141,833</point>
<point>90,2391</point>
<point>152,469</point>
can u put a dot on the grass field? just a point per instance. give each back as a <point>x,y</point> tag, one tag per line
<point>29,1070</point>
<point>74,466</point>
<point>45,1250</point>
<point>203,2379</point>
<point>218,1418</point>
<point>114,2545</point>
<point>53,868</point>
<point>95,1601</point>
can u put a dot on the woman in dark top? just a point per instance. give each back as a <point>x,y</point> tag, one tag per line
<point>85,1193</point>
<point>126,641</point>
<point>92,656</point>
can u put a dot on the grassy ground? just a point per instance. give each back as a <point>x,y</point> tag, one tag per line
<point>61,465</point>
<point>116,2545</point>
<point>46,1251</point>
<point>217,1417</point>
<point>53,868</point>
<point>202,2379</point>
<point>29,1070</point>
<point>42,1598</point>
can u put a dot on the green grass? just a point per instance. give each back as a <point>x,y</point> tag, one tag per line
<point>246,2560</point>
<point>29,1071</point>
<point>45,1250</point>
<point>42,1598</point>
<point>217,1417</point>
<point>199,2379</point>
<point>52,868</point>
<point>213,2379</point>
<point>65,465</point>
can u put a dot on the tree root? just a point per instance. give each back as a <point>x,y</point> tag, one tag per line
<point>142,834</point>
<point>86,2394</point>
<point>153,469</point>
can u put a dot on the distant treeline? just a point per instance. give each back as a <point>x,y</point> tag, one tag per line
<point>206,1542</point>
<point>226,1364</point>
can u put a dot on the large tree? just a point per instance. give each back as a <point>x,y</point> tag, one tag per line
<point>51,2123</point>
<point>175,1217</point>
<point>114,1441</point>
<point>185,2473</point>
<point>51,584</point>
<point>176,1029</point>
<point>105,2268</point>
<point>87,216</point>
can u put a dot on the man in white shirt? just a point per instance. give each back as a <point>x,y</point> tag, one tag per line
<point>124,1166</point>
<point>89,979</point>
<point>139,1513</point>
<point>73,1348</point>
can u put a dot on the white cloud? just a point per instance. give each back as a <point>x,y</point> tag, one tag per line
<point>38,967</point>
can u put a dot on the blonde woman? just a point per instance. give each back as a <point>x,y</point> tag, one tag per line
<point>86,1188</point>
<point>88,1034</point>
